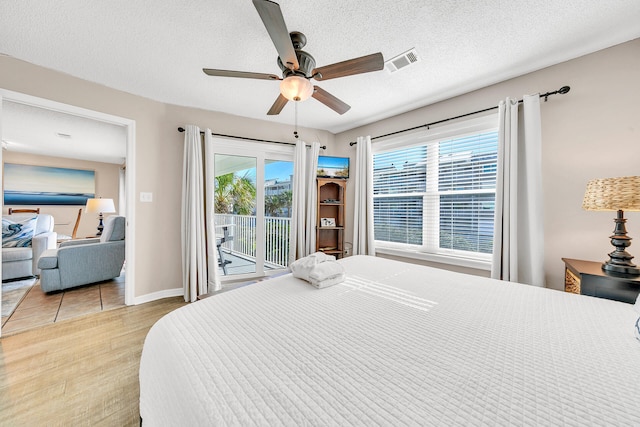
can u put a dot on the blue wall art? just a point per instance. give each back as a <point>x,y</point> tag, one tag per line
<point>44,185</point>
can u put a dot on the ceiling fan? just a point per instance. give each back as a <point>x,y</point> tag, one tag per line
<point>298,67</point>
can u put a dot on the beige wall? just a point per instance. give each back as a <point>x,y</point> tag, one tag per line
<point>591,132</point>
<point>158,157</point>
<point>107,181</point>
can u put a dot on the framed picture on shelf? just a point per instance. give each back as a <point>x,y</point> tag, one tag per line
<point>333,167</point>
<point>327,222</point>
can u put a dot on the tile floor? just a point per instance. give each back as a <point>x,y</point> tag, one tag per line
<point>38,308</point>
<point>12,293</point>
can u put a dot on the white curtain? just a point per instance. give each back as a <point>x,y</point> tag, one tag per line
<point>194,256</point>
<point>518,249</point>
<point>303,218</point>
<point>363,242</point>
<point>312,195</point>
<point>213,282</point>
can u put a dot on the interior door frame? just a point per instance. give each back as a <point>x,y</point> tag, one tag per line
<point>130,163</point>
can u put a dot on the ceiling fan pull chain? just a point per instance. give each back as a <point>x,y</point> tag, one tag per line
<point>295,129</point>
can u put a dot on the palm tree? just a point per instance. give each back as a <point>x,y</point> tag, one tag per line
<point>278,205</point>
<point>223,202</point>
<point>234,194</point>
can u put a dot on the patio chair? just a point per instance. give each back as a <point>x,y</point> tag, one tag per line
<point>222,262</point>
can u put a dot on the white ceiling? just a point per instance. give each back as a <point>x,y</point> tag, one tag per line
<point>34,130</point>
<point>158,49</point>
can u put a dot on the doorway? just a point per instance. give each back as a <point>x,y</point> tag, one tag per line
<point>129,165</point>
<point>252,194</point>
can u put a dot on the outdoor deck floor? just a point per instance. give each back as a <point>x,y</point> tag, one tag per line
<point>239,265</point>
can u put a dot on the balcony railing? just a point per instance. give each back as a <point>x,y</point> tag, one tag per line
<point>243,230</point>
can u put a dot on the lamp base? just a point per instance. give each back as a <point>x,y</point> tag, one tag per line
<point>620,260</point>
<point>627,270</point>
<point>100,225</point>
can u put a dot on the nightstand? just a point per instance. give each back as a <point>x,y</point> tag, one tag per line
<point>587,278</point>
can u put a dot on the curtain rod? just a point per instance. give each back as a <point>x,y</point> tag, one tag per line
<point>562,91</point>
<point>181,129</point>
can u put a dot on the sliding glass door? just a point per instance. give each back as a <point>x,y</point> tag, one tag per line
<point>252,193</point>
<point>235,206</point>
<point>278,195</point>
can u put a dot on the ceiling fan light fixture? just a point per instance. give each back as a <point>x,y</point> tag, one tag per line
<point>296,88</point>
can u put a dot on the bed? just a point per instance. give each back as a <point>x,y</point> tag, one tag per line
<point>394,344</point>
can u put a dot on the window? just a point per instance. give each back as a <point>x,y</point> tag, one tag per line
<point>434,192</point>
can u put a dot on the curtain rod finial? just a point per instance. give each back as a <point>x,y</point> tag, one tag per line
<point>564,89</point>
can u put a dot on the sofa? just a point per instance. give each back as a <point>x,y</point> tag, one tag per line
<point>23,243</point>
<point>84,261</point>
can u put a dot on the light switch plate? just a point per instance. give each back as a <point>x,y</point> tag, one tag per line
<point>146,197</point>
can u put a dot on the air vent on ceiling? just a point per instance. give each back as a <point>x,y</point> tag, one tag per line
<point>63,135</point>
<point>401,61</point>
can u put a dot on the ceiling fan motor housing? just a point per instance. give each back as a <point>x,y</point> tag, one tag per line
<point>306,65</point>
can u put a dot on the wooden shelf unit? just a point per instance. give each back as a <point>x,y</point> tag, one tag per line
<point>331,204</point>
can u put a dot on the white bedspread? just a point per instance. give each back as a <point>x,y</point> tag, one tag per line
<point>395,344</point>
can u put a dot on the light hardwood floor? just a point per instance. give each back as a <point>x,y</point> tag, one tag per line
<point>78,372</point>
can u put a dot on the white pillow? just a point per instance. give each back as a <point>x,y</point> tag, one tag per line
<point>18,233</point>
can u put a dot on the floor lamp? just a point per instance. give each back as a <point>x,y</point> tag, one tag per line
<point>100,206</point>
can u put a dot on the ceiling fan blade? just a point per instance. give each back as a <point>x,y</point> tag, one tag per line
<point>277,106</point>
<point>364,64</point>
<point>330,101</point>
<point>241,74</point>
<point>273,20</point>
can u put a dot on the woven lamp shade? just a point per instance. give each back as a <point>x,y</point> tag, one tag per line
<point>612,194</point>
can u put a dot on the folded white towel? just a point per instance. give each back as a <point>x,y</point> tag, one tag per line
<point>326,274</point>
<point>303,266</point>
<point>326,270</point>
<point>328,282</point>
<point>321,257</point>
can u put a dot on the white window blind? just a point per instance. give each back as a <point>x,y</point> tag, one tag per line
<point>437,196</point>
<point>399,186</point>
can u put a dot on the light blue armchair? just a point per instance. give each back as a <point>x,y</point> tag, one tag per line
<point>80,262</point>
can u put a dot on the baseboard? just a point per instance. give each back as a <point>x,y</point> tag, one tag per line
<point>168,293</point>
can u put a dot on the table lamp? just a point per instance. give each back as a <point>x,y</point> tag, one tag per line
<point>100,206</point>
<point>616,194</point>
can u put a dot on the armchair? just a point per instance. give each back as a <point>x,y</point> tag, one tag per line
<point>80,262</point>
<point>22,261</point>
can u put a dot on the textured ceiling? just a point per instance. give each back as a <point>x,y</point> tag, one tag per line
<point>157,49</point>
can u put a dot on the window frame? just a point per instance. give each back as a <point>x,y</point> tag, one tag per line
<point>430,250</point>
